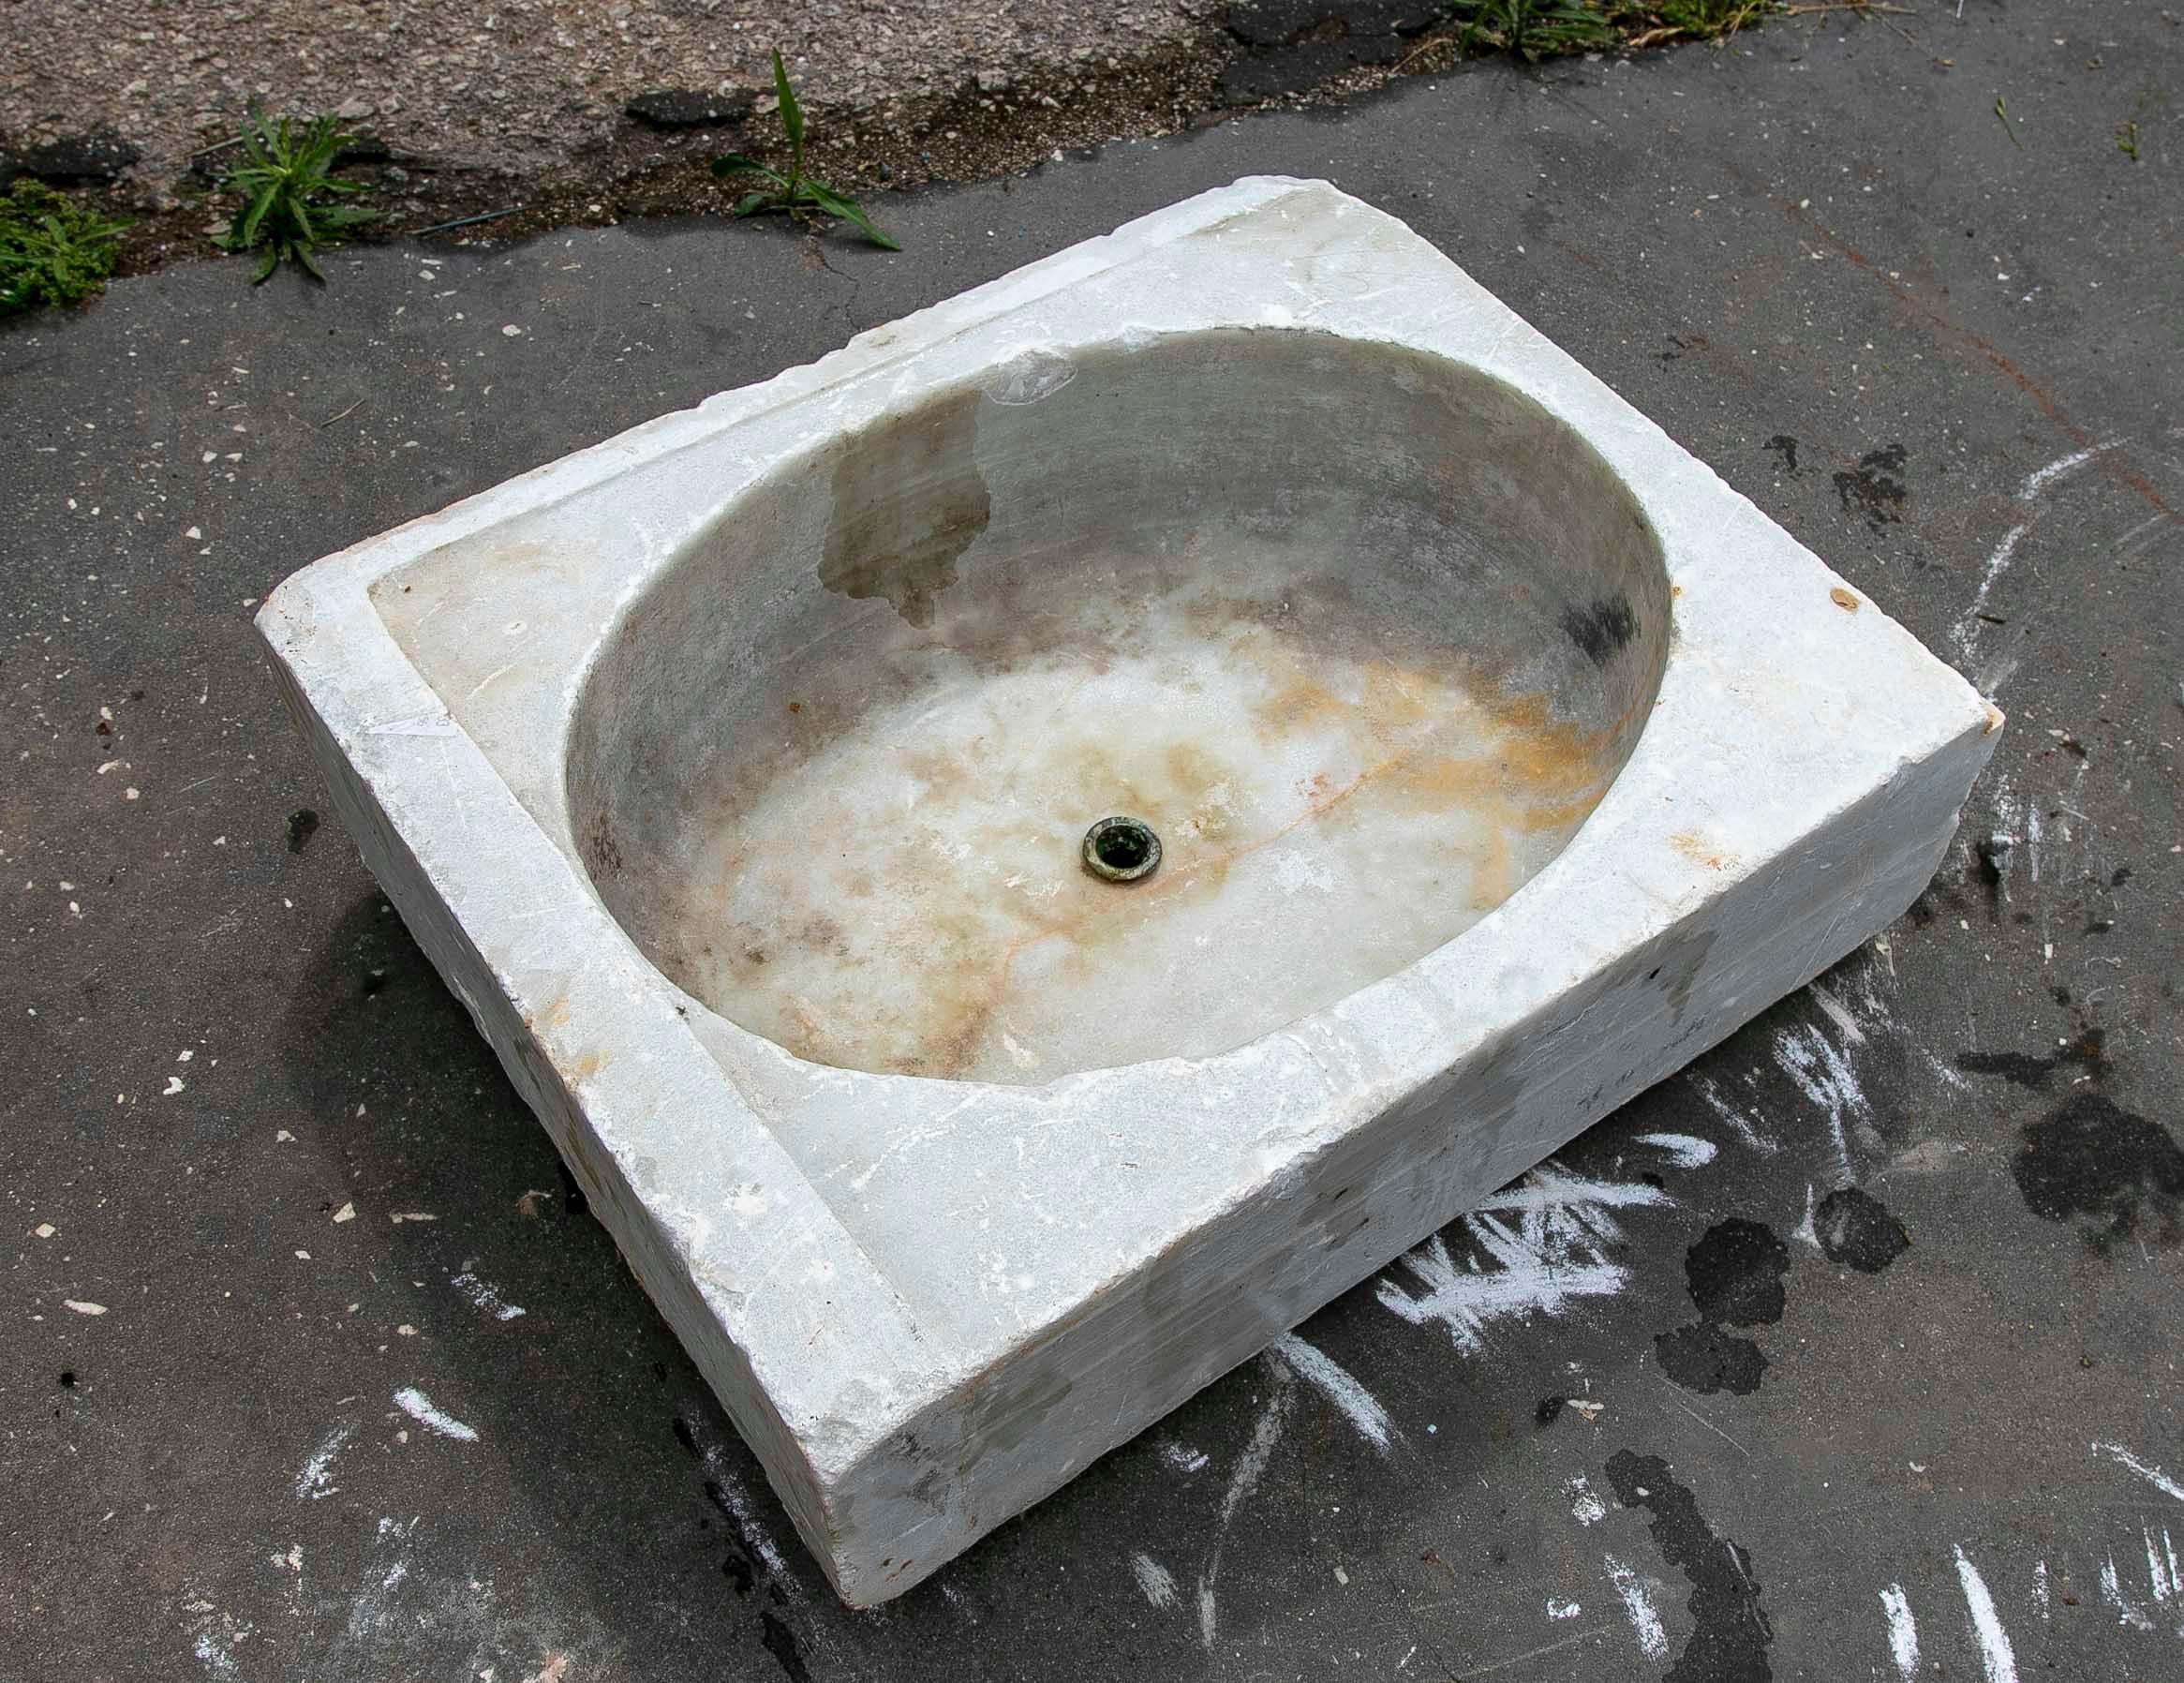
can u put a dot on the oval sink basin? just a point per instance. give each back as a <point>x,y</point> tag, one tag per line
<point>1359,633</point>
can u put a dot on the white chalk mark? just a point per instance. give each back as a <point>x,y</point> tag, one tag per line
<point>416,1404</point>
<point>2126,1613</point>
<point>1585,1506</point>
<point>1548,1258</point>
<point>2123,1458</point>
<point>2161,1566</point>
<point>486,1296</point>
<point>2041,478</point>
<point>2040,1595</point>
<point>1824,1076</point>
<point>1997,1659</point>
<point>1359,1406</point>
<point>1733,1119</point>
<point>1685,1151</point>
<point>1154,1579</point>
<point>1839,1014</point>
<point>1903,1631</point>
<point>1548,1647</point>
<point>1809,1229</point>
<point>2034,487</point>
<point>217,1661</point>
<point>729,1490</point>
<point>314,1480</point>
<point>1250,1467</point>
<point>1637,1606</point>
<point>1558,1608</point>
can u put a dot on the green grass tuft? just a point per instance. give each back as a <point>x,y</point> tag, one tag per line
<point>1536,29</point>
<point>289,205</point>
<point>52,251</point>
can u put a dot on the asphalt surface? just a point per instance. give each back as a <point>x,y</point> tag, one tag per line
<point>292,1199</point>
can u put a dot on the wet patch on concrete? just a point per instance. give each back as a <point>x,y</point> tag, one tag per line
<point>1734,1273</point>
<point>1703,1358</point>
<point>2088,1051</point>
<point>1856,1230</point>
<point>1731,1633</point>
<point>2110,1173</point>
<point>1875,488</point>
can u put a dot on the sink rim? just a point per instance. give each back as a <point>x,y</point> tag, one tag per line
<point>1091,338</point>
<point>623,1066</point>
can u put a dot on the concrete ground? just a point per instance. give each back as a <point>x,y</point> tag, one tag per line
<point>1852,1352</point>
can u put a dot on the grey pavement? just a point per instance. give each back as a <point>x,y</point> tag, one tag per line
<point>1686,1404</point>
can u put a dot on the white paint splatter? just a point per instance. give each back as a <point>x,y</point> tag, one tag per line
<point>1182,1458</point>
<point>1685,1151</point>
<point>314,1480</point>
<point>1903,1631</point>
<point>2123,1457</point>
<point>1250,1467</point>
<point>416,1404</point>
<point>1585,1506</point>
<point>2040,1596</point>
<point>1997,1659</point>
<point>1548,1258</point>
<point>1637,1606</point>
<point>1557,1608</point>
<point>1154,1579</point>
<point>487,1297</point>
<point>1359,1406</point>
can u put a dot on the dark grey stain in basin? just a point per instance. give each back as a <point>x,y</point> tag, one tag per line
<point>1603,626</point>
<point>908,501</point>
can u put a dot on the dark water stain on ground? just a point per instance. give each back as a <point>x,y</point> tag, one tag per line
<point>1785,447</point>
<point>2112,1174</point>
<point>1730,1630</point>
<point>303,825</point>
<point>780,1641</point>
<point>1735,1272</point>
<point>2088,1051</point>
<point>1856,1229</point>
<point>1872,488</point>
<point>1703,1358</point>
<point>1735,1276</point>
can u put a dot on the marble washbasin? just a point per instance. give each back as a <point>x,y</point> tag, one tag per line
<point>737,775</point>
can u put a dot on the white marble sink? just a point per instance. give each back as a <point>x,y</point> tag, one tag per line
<point>736,773</point>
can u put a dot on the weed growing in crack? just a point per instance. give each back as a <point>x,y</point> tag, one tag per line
<point>798,194</point>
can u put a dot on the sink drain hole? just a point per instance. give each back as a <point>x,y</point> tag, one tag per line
<point>1122,850</point>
